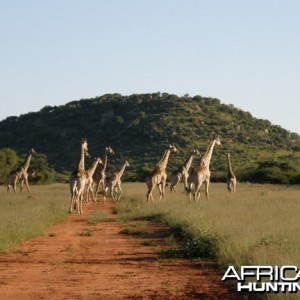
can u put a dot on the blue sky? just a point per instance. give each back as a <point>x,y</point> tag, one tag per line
<point>245,53</point>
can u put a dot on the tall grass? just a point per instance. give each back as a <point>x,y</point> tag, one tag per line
<point>259,225</point>
<point>23,217</point>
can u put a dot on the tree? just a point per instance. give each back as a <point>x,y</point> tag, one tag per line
<point>8,161</point>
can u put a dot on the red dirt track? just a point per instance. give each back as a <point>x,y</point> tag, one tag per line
<point>75,260</point>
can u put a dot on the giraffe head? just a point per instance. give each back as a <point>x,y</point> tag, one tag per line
<point>172,148</point>
<point>217,139</point>
<point>196,152</point>
<point>99,160</point>
<point>109,150</point>
<point>127,163</point>
<point>84,146</point>
<point>32,152</point>
<point>227,155</point>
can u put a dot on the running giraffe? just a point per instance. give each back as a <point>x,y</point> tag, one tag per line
<point>20,174</point>
<point>231,179</point>
<point>89,181</point>
<point>78,179</point>
<point>114,183</point>
<point>100,174</point>
<point>159,176</point>
<point>183,172</point>
<point>201,173</point>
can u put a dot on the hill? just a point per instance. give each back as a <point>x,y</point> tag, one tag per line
<point>139,127</point>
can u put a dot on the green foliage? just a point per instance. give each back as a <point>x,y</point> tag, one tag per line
<point>138,127</point>
<point>39,170</point>
<point>273,171</point>
<point>8,161</point>
<point>203,246</point>
<point>43,173</point>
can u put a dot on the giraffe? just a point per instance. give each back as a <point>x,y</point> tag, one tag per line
<point>201,173</point>
<point>159,176</point>
<point>89,174</point>
<point>21,174</point>
<point>114,183</point>
<point>78,179</point>
<point>183,172</point>
<point>231,179</point>
<point>100,174</point>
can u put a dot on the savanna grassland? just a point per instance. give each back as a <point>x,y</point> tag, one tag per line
<point>256,226</point>
<point>259,225</point>
<point>23,216</point>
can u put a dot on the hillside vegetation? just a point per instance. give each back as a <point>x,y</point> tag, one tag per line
<point>140,126</point>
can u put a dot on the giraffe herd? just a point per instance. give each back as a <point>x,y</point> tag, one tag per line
<point>84,183</point>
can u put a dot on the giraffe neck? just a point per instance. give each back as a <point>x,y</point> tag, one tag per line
<point>104,163</point>
<point>189,161</point>
<point>92,169</point>
<point>164,161</point>
<point>230,172</point>
<point>26,163</point>
<point>81,161</point>
<point>205,161</point>
<point>121,171</point>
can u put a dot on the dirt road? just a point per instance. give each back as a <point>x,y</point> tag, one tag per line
<point>75,260</point>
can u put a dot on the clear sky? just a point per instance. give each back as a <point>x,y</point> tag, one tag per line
<point>244,52</point>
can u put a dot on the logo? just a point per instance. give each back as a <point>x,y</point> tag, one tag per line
<point>265,279</point>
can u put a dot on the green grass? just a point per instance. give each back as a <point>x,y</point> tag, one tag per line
<point>257,225</point>
<point>23,217</point>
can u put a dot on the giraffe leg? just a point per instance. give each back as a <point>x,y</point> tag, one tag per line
<point>228,185</point>
<point>151,185</point>
<point>149,193</point>
<point>78,201</point>
<point>96,191</point>
<point>86,195</point>
<point>174,183</point>
<point>73,191</point>
<point>206,189</point>
<point>197,196</point>
<point>103,190</point>
<point>112,190</point>
<point>27,185</point>
<point>120,191</point>
<point>189,190</point>
<point>88,191</point>
<point>185,182</point>
<point>196,193</point>
<point>79,209</point>
<point>71,204</point>
<point>21,185</point>
<point>234,185</point>
<point>163,187</point>
<point>94,195</point>
<point>160,191</point>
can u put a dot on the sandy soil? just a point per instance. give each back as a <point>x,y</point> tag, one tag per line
<point>75,260</point>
